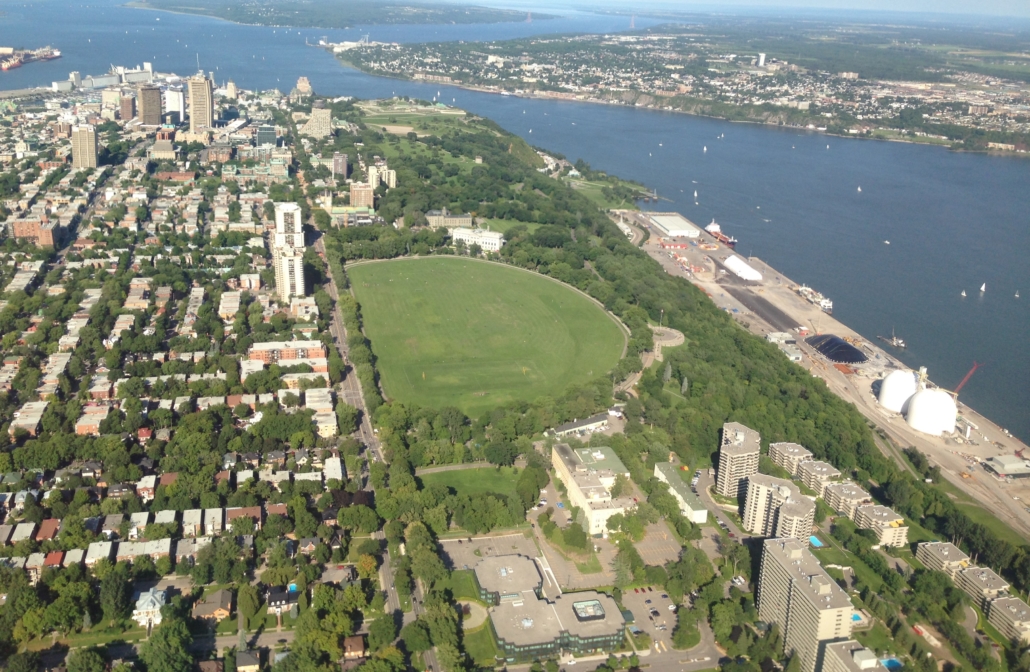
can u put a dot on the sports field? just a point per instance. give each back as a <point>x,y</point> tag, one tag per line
<point>457,332</point>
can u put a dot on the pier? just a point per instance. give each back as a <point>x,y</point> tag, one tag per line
<point>772,304</point>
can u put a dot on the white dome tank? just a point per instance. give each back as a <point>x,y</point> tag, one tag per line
<point>896,389</point>
<point>932,412</point>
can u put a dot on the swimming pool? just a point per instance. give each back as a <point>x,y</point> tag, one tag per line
<point>856,617</point>
<point>892,663</point>
<point>814,540</point>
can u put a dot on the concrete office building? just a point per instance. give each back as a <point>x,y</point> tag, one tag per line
<point>889,527</point>
<point>265,135</point>
<point>175,101</point>
<point>84,146</point>
<point>339,165</point>
<point>796,593</point>
<point>788,456</point>
<point>588,474</point>
<point>981,584</point>
<point>362,195</point>
<point>690,504</point>
<point>738,459</point>
<point>942,556</point>
<point>816,475</point>
<point>443,219</point>
<point>289,274</point>
<point>149,99</point>
<point>127,108</point>
<point>850,656</point>
<point>1011,616</point>
<point>507,578</point>
<point>202,103</point>
<point>582,623</point>
<point>845,498</point>
<point>776,508</point>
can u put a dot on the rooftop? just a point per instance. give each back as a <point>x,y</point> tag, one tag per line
<point>508,574</point>
<point>739,440</point>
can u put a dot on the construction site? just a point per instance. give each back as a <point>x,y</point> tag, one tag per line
<point>975,455</point>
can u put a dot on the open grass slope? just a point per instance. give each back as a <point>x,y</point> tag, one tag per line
<point>475,481</point>
<point>475,335</point>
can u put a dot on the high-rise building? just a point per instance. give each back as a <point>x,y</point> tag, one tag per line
<point>788,456</point>
<point>202,103</point>
<point>761,60</point>
<point>373,177</point>
<point>362,195</point>
<point>175,101</point>
<point>127,108</point>
<point>340,165</point>
<point>265,135</point>
<point>889,528</point>
<point>389,178</point>
<point>796,593</point>
<point>845,498</point>
<point>320,125</point>
<point>304,86</point>
<point>942,556</point>
<point>289,227</point>
<point>816,475</point>
<point>289,273</point>
<point>775,507</point>
<point>149,98</point>
<point>84,147</point>
<point>738,459</point>
<point>231,92</point>
<point>850,656</point>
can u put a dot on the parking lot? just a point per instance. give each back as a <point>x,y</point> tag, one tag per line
<point>641,601</point>
<point>464,554</point>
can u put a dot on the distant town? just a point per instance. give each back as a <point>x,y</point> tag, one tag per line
<point>689,69</point>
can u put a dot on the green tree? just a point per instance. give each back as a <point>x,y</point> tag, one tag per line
<point>381,632</point>
<point>116,593</point>
<point>86,660</point>
<point>167,648</point>
<point>247,603</point>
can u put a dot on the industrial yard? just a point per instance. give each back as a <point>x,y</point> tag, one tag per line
<point>768,303</point>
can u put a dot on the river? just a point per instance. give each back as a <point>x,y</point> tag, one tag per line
<point>954,221</point>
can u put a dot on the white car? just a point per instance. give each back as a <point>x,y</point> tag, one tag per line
<point>672,607</point>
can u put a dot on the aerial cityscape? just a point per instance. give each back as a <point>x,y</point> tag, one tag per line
<point>315,356</point>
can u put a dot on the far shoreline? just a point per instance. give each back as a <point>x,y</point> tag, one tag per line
<point>651,108</point>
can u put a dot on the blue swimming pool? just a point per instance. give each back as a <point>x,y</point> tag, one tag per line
<point>892,664</point>
<point>856,617</point>
<point>814,540</point>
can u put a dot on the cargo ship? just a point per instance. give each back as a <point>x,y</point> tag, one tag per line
<point>716,231</point>
<point>20,58</point>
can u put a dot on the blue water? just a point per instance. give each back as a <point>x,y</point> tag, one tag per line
<point>954,220</point>
<point>892,663</point>
<point>856,617</point>
<point>814,540</point>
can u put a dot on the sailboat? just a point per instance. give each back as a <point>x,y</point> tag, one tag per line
<point>705,149</point>
<point>983,287</point>
<point>1017,293</point>
<point>860,190</point>
<point>695,194</point>
<point>963,293</point>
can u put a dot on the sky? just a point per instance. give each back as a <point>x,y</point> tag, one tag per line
<point>1018,8</point>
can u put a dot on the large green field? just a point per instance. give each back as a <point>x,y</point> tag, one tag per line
<point>474,481</point>
<point>458,332</point>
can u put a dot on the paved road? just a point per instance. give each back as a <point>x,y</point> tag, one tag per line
<point>703,484</point>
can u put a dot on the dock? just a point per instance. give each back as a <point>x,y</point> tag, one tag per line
<point>772,304</point>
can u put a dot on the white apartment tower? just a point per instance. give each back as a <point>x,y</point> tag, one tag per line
<point>289,274</point>
<point>288,251</point>
<point>795,592</point>
<point>776,508</point>
<point>738,459</point>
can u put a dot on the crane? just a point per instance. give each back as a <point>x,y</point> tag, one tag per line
<point>965,380</point>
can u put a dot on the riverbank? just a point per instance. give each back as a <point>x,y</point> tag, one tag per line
<point>881,134</point>
<point>771,305</point>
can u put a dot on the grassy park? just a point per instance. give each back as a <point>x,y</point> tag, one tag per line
<point>456,332</point>
<point>475,481</point>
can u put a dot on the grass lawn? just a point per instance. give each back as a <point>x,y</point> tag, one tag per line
<point>832,555</point>
<point>878,638</point>
<point>988,520</point>
<point>503,225</point>
<point>463,586</point>
<point>595,192</point>
<point>456,332</point>
<point>475,481</point>
<point>480,645</point>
